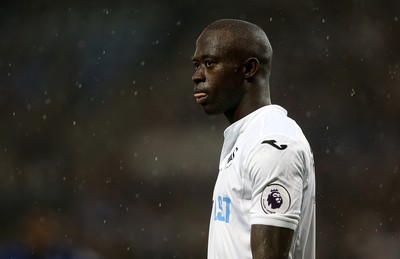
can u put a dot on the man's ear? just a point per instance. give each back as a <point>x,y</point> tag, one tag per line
<point>250,68</point>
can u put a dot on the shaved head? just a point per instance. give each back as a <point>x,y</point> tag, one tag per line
<point>246,39</point>
<point>232,63</point>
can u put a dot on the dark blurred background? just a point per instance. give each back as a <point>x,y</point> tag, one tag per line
<point>105,154</point>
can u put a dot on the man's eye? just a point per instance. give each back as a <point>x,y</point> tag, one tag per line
<point>209,63</point>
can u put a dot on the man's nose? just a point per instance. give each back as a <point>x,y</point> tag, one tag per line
<point>198,76</point>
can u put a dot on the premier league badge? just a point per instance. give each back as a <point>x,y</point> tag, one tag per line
<point>275,199</point>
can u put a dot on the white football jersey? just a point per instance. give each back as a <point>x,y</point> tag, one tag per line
<point>266,176</point>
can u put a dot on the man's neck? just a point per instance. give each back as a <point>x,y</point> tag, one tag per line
<point>244,109</point>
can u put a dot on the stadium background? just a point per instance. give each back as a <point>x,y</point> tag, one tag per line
<point>104,152</point>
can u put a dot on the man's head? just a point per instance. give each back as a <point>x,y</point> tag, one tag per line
<point>232,61</point>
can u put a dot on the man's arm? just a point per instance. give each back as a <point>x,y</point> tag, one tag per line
<point>268,242</point>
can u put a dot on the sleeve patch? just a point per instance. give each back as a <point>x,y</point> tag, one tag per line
<point>275,199</point>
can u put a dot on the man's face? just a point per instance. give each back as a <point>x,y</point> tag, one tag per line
<point>218,76</point>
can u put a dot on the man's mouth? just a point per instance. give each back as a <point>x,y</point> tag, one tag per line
<point>200,97</point>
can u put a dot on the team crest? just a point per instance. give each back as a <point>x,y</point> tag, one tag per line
<point>231,157</point>
<point>275,199</point>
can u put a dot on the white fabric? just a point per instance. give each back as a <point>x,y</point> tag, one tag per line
<point>265,158</point>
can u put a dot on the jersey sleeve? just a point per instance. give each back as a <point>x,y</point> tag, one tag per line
<point>275,167</point>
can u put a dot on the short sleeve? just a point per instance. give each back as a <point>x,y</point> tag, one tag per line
<point>275,169</point>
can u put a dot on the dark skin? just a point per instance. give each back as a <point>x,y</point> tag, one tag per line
<point>229,81</point>
<point>268,242</point>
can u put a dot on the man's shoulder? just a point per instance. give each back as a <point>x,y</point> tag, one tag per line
<point>272,127</point>
<point>273,139</point>
<point>271,123</point>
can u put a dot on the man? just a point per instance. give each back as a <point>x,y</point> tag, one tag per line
<point>263,200</point>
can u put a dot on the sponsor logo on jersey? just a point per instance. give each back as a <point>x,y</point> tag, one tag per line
<point>222,209</point>
<point>275,199</point>
<point>272,143</point>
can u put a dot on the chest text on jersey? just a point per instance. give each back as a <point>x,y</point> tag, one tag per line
<point>222,209</point>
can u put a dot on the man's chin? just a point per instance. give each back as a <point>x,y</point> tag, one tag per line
<point>210,111</point>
